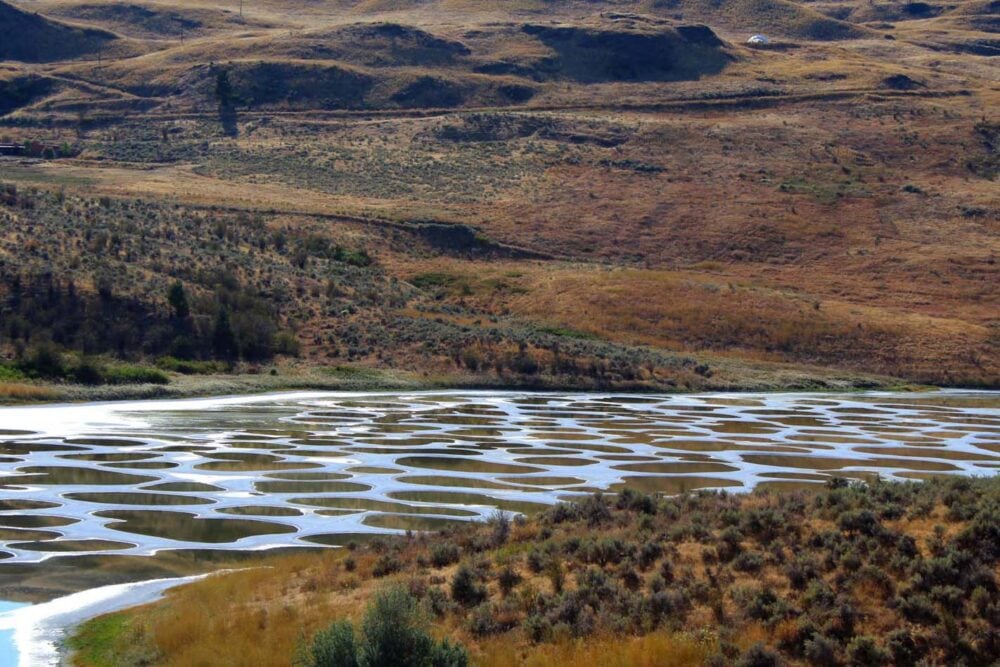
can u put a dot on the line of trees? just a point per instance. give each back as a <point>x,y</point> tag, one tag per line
<point>227,323</point>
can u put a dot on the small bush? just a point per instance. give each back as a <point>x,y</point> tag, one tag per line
<point>538,628</point>
<point>536,560</point>
<point>386,565</point>
<point>861,522</point>
<point>508,579</point>
<point>465,589</point>
<point>190,367</point>
<point>649,553</point>
<point>917,608</point>
<point>444,554</point>
<point>821,651</point>
<point>499,521</point>
<point>748,561</point>
<point>45,361</point>
<point>864,652</point>
<point>759,656</point>
<point>557,577</point>
<point>134,375</point>
<point>394,633</point>
<point>437,602</point>
<point>88,372</point>
<point>902,648</point>
<point>10,373</point>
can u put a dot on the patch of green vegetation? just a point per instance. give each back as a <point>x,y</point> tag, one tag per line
<point>352,372</point>
<point>824,193</point>
<point>394,632</point>
<point>133,374</point>
<point>10,373</point>
<point>111,641</point>
<point>49,362</point>
<point>191,367</point>
<point>565,332</point>
<point>434,280</point>
<point>501,285</point>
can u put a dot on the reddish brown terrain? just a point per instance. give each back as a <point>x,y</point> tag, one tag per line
<point>561,193</point>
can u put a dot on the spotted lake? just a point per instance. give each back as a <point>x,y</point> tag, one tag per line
<point>324,468</point>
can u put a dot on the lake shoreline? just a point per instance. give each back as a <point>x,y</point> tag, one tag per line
<point>40,631</point>
<point>631,563</point>
<point>372,380</point>
<point>34,579</point>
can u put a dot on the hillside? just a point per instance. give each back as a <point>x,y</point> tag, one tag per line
<point>851,574</point>
<point>777,17</point>
<point>585,194</point>
<point>34,38</point>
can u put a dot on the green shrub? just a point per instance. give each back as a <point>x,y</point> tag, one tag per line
<point>729,545</point>
<point>394,635</point>
<point>134,375</point>
<point>10,373</point>
<point>88,372</point>
<point>765,605</point>
<point>190,367</point>
<point>821,651</point>
<point>758,655</point>
<point>749,561</point>
<point>437,601</point>
<point>864,652</point>
<point>465,589</point>
<point>903,649</point>
<point>444,554</point>
<point>556,575</point>
<point>649,553</point>
<point>536,560</point>
<point>334,647</point>
<point>538,628</point>
<point>917,608</point>
<point>386,565</point>
<point>500,522</point>
<point>508,579</point>
<point>862,522</point>
<point>287,344</point>
<point>44,361</point>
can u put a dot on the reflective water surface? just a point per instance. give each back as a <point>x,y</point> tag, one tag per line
<point>324,468</point>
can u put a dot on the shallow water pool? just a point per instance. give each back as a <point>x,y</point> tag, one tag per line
<point>301,469</point>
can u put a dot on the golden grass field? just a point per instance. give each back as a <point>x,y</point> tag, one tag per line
<point>260,615</point>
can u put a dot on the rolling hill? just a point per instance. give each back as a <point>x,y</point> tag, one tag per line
<point>31,37</point>
<point>566,193</point>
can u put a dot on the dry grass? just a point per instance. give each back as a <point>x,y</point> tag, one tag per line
<point>17,392</point>
<point>260,615</point>
<point>659,649</point>
<point>719,308</point>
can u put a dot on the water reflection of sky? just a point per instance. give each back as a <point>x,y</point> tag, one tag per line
<point>293,469</point>
<point>8,650</point>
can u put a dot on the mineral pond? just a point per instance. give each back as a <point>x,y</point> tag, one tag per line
<point>327,468</point>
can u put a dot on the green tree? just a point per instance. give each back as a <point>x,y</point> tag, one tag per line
<point>177,298</point>
<point>223,339</point>
<point>223,88</point>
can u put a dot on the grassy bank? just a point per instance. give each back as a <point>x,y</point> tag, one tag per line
<point>886,573</point>
<point>215,384</point>
<point>736,376</point>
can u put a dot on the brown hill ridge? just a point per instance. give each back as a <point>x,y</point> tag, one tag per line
<point>33,38</point>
